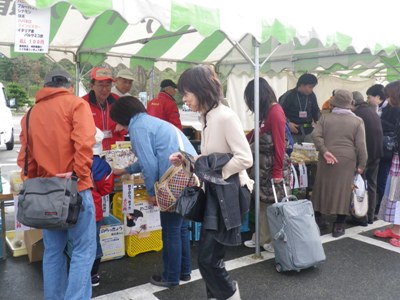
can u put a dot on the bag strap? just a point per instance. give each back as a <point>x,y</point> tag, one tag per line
<point>181,147</point>
<point>27,142</point>
<point>73,176</point>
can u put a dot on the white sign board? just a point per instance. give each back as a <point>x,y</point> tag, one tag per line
<point>145,218</point>
<point>32,28</point>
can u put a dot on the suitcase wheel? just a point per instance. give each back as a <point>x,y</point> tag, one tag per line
<point>278,268</point>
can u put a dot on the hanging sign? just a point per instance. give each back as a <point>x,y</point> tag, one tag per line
<point>32,28</point>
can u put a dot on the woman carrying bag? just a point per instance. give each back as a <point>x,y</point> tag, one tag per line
<point>274,161</point>
<point>153,141</point>
<point>389,210</point>
<point>222,136</point>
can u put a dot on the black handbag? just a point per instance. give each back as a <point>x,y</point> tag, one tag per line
<point>191,203</point>
<point>389,143</point>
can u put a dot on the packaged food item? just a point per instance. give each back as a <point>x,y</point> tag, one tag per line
<point>15,180</point>
<point>304,152</point>
<point>120,156</point>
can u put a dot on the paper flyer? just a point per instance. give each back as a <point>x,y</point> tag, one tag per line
<point>145,218</point>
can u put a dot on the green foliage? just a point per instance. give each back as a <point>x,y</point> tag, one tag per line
<point>28,75</point>
<point>14,90</point>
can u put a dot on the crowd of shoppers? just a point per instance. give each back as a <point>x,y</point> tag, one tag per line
<point>350,138</point>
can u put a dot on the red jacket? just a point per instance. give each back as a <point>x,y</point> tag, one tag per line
<point>165,108</point>
<point>102,118</point>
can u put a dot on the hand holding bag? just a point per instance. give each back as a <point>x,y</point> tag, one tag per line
<point>170,187</point>
<point>359,200</point>
<point>172,183</point>
<point>48,202</point>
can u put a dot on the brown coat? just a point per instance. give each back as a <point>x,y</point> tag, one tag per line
<point>343,136</point>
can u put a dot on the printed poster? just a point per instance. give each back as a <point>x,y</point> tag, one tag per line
<point>32,28</point>
<point>145,218</point>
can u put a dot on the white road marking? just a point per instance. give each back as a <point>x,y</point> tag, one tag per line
<point>146,291</point>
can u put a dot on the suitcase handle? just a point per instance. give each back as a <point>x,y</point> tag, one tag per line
<point>289,198</point>
<point>284,188</point>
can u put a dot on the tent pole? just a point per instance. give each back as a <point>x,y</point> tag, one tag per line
<point>77,76</point>
<point>257,144</point>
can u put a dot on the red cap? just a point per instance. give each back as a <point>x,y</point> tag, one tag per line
<point>102,74</point>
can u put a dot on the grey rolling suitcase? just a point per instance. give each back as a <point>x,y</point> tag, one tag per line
<point>295,234</point>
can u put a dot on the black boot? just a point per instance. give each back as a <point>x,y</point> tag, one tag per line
<point>338,229</point>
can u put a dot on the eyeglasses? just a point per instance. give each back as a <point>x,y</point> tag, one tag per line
<point>103,86</point>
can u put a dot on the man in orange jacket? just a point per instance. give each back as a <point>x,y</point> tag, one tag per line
<point>61,136</point>
<point>164,106</point>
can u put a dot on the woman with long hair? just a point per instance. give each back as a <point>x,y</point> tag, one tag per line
<point>274,162</point>
<point>222,133</point>
<point>390,208</point>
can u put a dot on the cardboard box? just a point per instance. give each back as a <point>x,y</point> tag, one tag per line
<point>34,244</point>
<point>17,246</point>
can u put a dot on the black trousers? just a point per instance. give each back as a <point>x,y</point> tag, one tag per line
<point>371,175</point>
<point>212,267</point>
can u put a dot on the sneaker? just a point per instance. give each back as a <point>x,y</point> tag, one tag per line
<point>185,277</point>
<point>387,233</point>
<point>269,248</point>
<point>395,242</point>
<point>250,244</point>
<point>96,280</point>
<point>159,281</point>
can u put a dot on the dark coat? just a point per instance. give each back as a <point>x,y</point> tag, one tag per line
<point>389,117</point>
<point>373,131</point>
<point>224,208</point>
<point>267,156</point>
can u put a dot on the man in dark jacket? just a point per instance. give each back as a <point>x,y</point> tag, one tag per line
<point>374,140</point>
<point>301,108</point>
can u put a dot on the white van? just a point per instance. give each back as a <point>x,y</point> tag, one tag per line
<point>6,121</point>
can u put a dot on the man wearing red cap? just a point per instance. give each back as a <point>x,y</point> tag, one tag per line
<point>164,106</point>
<point>100,100</point>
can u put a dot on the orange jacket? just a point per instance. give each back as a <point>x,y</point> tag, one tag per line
<point>61,136</point>
<point>327,104</point>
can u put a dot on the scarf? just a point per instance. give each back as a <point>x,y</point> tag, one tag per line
<point>342,111</point>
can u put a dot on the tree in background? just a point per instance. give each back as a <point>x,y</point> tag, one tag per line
<point>29,73</point>
<point>16,91</point>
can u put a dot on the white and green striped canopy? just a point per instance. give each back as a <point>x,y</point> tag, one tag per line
<point>312,35</point>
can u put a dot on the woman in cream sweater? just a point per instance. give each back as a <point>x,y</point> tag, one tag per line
<point>222,132</point>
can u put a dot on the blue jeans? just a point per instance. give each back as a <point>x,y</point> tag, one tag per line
<point>58,284</point>
<point>176,247</point>
<point>99,251</point>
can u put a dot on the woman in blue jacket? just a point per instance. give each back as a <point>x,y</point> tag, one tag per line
<point>153,141</point>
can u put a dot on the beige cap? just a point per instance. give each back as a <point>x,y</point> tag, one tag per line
<point>126,73</point>
<point>342,99</point>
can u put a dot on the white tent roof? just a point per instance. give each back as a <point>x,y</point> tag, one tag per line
<point>168,33</point>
